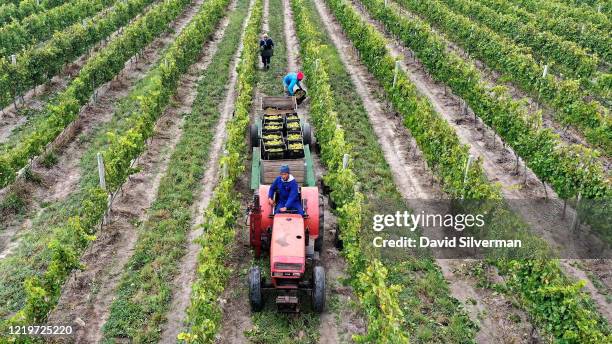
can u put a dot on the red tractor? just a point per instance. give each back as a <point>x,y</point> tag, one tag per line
<point>293,241</point>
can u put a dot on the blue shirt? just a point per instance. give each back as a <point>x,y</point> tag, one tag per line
<point>290,80</point>
<point>287,194</point>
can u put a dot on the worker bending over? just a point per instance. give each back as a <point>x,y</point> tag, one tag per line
<point>288,197</point>
<point>292,80</point>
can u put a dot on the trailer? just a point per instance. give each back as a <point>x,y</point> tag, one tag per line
<point>279,136</point>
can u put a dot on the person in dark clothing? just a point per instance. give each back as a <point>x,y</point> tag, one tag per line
<point>266,47</point>
<point>288,197</point>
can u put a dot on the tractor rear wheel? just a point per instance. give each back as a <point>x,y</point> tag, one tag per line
<point>318,289</point>
<point>254,133</point>
<point>318,245</point>
<point>255,296</point>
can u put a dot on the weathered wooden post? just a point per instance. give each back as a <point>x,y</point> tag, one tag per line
<point>396,72</point>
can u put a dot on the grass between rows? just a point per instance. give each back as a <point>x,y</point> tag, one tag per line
<point>424,295</point>
<point>145,292</point>
<point>269,325</point>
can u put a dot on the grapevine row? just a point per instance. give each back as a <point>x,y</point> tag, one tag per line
<point>601,6</point>
<point>72,238</point>
<point>220,218</point>
<point>161,240</point>
<point>98,70</point>
<point>539,284</point>
<point>385,318</point>
<point>38,64</point>
<point>38,27</point>
<point>25,8</point>
<point>585,34</point>
<point>566,57</point>
<point>500,54</point>
<point>555,9</point>
<point>569,169</point>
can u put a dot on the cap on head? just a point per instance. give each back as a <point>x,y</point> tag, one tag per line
<point>284,169</point>
<point>300,75</point>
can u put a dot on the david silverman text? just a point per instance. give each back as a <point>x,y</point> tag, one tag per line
<point>405,242</point>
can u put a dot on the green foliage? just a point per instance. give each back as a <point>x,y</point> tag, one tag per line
<point>204,312</point>
<point>12,203</point>
<point>11,12</point>
<point>160,245</point>
<point>569,169</point>
<point>559,304</point>
<point>49,159</point>
<point>572,327</point>
<point>378,300</point>
<point>73,236</point>
<point>578,31</point>
<point>37,65</point>
<point>566,57</point>
<point>38,27</point>
<point>565,96</point>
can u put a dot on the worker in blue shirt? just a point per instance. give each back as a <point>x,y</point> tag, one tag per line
<point>288,197</point>
<point>292,80</point>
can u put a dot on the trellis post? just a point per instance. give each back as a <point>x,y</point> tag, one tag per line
<point>397,66</point>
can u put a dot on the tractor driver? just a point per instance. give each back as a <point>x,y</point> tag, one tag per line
<point>287,188</point>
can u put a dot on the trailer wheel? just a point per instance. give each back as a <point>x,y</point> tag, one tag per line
<point>318,289</point>
<point>254,132</point>
<point>318,245</point>
<point>307,134</point>
<point>255,295</point>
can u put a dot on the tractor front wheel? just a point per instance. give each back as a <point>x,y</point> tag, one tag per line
<point>318,289</point>
<point>255,295</point>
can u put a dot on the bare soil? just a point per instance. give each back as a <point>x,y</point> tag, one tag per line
<point>87,297</point>
<point>415,182</point>
<point>543,212</point>
<point>62,179</point>
<point>235,298</point>
<point>181,293</point>
<point>343,322</point>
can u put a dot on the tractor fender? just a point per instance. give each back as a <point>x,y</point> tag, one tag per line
<point>266,208</point>
<point>311,195</point>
